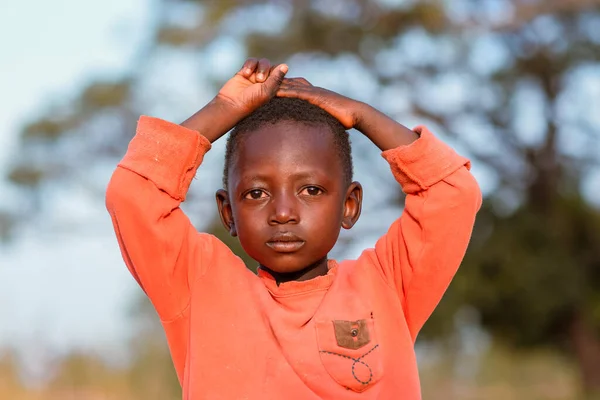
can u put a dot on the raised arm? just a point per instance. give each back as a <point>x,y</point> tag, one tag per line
<point>157,240</point>
<point>423,249</point>
<point>159,244</point>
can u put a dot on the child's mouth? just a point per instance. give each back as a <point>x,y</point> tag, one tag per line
<point>286,247</point>
<point>285,242</point>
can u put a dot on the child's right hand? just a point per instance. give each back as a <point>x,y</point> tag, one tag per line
<point>254,84</point>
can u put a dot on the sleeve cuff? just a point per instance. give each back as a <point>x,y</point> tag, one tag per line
<point>424,162</point>
<point>166,154</point>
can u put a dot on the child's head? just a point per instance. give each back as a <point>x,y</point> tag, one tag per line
<point>288,184</point>
<point>295,111</point>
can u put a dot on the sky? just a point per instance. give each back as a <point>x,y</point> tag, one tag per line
<point>52,293</point>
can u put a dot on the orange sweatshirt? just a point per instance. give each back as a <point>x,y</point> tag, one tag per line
<point>234,335</point>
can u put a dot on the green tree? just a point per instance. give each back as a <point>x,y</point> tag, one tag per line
<point>502,78</point>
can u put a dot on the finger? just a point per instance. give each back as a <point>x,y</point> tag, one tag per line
<point>275,78</point>
<point>296,89</point>
<point>271,70</point>
<point>249,67</point>
<point>296,82</point>
<point>302,81</point>
<point>295,92</point>
<point>289,83</point>
<point>262,72</point>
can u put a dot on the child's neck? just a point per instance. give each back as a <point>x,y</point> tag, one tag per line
<point>318,268</point>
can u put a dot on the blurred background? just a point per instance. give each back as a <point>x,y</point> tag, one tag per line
<point>513,84</point>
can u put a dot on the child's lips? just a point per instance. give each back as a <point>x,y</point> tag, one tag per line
<point>285,242</point>
<point>285,247</point>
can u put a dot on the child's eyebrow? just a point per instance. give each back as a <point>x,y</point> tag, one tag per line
<point>254,177</point>
<point>301,175</point>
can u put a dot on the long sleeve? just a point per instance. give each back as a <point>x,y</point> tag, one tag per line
<point>422,250</point>
<point>160,246</point>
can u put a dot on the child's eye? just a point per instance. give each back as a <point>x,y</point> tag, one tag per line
<point>255,194</point>
<point>311,191</point>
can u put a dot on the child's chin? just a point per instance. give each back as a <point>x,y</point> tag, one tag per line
<point>284,268</point>
<point>289,265</point>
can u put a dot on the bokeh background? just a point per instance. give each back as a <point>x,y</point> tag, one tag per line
<point>513,84</point>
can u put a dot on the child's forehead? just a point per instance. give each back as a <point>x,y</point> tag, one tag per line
<point>302,146</point>
<point>289,133</point>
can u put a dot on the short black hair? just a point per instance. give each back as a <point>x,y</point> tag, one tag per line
<point>281,109</point>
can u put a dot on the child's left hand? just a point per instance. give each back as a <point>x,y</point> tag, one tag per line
<point>381,129</point>
<point>344,109</point>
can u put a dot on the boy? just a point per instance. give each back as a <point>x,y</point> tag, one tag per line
<point>306,327</point>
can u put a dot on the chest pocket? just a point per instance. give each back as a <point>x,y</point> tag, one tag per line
<point>350,352</point>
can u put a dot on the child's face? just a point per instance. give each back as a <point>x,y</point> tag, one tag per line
<point>287,197</point>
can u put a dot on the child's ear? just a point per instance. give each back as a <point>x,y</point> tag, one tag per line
<point>352,205</point>
<point>224,206</point>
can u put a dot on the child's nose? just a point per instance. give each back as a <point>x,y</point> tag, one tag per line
<point>284,210</point>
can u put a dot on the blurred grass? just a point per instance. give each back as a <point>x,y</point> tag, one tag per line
<point>499,374</point>
<point>504,374</point>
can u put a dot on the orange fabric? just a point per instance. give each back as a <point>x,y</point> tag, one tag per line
<point>236,335</point>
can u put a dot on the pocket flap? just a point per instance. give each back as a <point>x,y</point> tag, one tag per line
<point>351,334</point>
